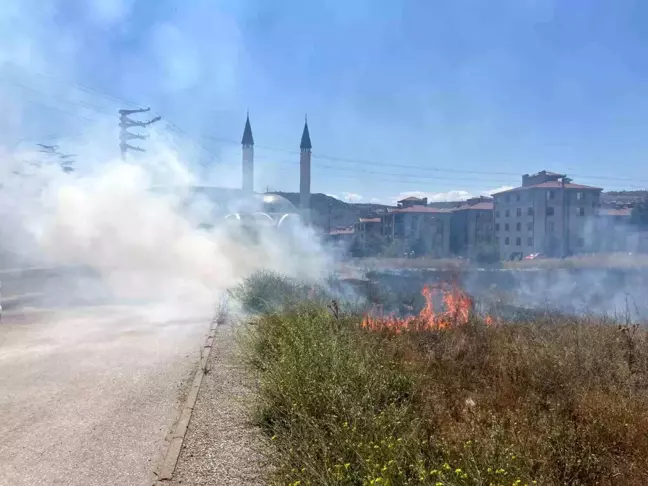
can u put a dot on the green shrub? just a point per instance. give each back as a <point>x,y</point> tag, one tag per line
<point>554,401</point>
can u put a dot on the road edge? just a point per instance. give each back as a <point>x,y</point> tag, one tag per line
<point>166,470</point>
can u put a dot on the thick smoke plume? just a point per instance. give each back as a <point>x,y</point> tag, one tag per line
<point>135,227</point>
<point>128,230</point>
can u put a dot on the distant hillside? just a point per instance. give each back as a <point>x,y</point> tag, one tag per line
<point>640,193</point>
<point>445,204</point>
<point>623,197</point>
<point>342,213</point>
<point>345,214</point>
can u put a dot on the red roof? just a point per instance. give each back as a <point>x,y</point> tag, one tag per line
<point>546,172</point>
<point>615,211</point>
<point>412,198</point>
<point>551,185</point>
<point>485,205</point>
<point>342,231</point>
<point>416,209</point>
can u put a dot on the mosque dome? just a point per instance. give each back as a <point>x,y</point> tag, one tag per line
<point>275,204</point>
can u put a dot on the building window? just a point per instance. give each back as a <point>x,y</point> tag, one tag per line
<point>497,240</point>
<point>497,214</point>
<point>529,211</point>
<point>580,211</point>
<point>518,227</point>
<point>496,226</point>
<point>550,195</point>
<point>506,241</point>
<point>530,226</point>
<point>580,196</point>
<point>518,212</point>
<point>550,226</point>
<point>530,241</point>
<point>506,226</point>
<point>580,242</point>
<point>550,211</point>
<point>507,198</point>
<point>518,241</point>
<point>507,213</point>
<point>517,197</point>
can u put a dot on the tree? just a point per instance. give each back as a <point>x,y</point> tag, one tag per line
<point>487,253</point>
<point>639,215</point>
<point>419,246</point>
<point>375,243</point>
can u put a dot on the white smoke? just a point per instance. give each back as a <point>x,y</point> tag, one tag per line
<point>143,243</point>
<point>128,222</point>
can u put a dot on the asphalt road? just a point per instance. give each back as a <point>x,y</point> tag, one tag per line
<point>88,394</point>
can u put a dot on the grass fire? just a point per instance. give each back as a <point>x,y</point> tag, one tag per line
<point>457,309</point>
<point>443,397</point>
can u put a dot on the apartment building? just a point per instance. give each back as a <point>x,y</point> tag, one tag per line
<point>471,228</point>
<point>547,214</point>
<point>412,201</point>
<point>342,235</point>
<point>418,228</point>
<point>614,229</point>
<point>367,230</point>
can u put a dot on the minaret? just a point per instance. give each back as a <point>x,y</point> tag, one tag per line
<point>248,158</point>
<point>305,172</point>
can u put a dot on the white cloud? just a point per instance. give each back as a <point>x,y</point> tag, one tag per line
<point>496,190</point>
<point>457,195</point>
<point>375,200</point>
<point>351,197</point>
<point>110,11</point>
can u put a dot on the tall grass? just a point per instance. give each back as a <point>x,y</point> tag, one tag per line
<point>555,401</point>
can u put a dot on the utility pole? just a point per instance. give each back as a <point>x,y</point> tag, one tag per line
<point>124,135</point>
<point>66,161</point>
<point>330,204</point>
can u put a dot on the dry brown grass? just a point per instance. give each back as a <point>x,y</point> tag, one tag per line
<point>601,260</point>
<point>557,401</point>
<point>411,263</point>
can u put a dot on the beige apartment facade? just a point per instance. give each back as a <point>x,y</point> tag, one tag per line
<point>367,231</point>
<point>471,231</point>
<point>418,229</point>
<point>547,214</point>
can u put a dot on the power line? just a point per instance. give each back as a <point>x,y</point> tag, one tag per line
<point>79,86</point>
<point>61,99</point>
<point>177,129</point>
<point>51,137</point>
<point>415,167</point>
<point>395,174</point>
<point>417,183</point>
<point>49,107</point>
<point>118,99</point>
<point>398,177</point>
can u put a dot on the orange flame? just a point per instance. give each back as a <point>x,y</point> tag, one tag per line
<point>457,307</point>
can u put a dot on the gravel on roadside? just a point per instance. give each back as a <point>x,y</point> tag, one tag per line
<point>222,446</point>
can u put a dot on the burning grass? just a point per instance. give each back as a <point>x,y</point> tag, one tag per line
<point>353,400</point>
<point>457,308</point>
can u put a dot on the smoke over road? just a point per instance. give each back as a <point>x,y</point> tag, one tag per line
<point>142,244</point>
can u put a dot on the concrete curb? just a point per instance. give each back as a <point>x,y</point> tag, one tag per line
<point>172,455</point>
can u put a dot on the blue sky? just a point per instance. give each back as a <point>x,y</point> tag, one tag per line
<point>446,98</point>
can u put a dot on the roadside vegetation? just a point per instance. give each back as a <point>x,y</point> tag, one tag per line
<point>553,401</point>
<point>591,261</point>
